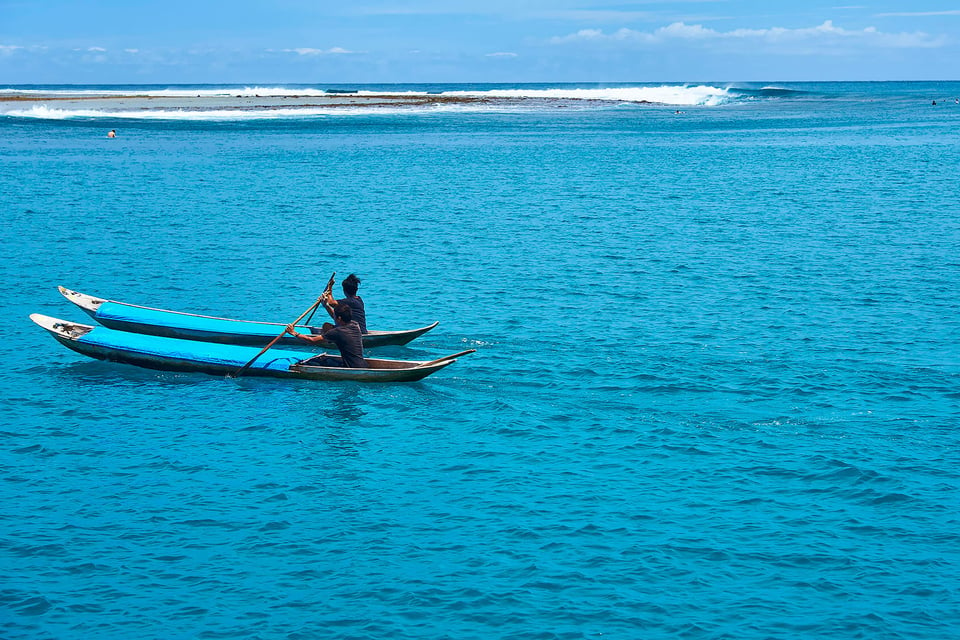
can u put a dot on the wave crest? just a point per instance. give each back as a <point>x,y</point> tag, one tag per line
<point>251,103</point>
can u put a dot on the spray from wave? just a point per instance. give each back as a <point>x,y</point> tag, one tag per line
<point>665,94</point>
<point>233,103</point>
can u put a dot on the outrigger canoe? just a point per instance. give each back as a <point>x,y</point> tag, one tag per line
<point>189,326</point>
<point>173,354</point>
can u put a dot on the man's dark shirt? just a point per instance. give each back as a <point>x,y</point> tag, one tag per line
<point>359,315</point>
<point>349,340</point>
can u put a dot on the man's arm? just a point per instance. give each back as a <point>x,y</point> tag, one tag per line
<point>312,339</point>
<point>329,303</point>
<point>327,299</point>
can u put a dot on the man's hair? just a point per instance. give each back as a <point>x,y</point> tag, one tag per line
<point>350,284</point>
<point>343,311</point>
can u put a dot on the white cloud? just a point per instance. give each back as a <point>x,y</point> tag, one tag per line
<point>826,32</point>
<point>502,54</point>
<point>686,31</point>
<point>7,49</point>
<point>597,35</point>
<point>96,49</point>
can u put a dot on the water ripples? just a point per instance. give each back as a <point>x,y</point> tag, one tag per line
<point>715,392</point>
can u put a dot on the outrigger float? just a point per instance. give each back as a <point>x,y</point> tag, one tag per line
<point>175,354</point>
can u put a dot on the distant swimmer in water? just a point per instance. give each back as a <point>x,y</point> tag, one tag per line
<point>112,133</point>
<point>934,103</point>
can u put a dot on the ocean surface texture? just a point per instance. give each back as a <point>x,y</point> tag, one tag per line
<point>716,391</point>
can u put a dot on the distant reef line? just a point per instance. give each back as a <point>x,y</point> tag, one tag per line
<point>327,100</point>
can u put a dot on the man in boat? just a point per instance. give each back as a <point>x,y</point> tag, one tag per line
<point>345,334</point>
<point>350,285</point>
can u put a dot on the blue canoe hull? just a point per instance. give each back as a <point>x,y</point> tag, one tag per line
<point>171,354</point>
<point>187,326</point>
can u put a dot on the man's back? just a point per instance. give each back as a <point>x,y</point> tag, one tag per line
<point>359,313</point>
<point>349,340</point>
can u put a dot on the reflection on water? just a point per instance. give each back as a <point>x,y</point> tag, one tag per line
<point>345,405</point>
<point>727,336</point>
<point>103,373</point>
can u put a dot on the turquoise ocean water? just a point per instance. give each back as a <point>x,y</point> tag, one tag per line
<point>716,391</point>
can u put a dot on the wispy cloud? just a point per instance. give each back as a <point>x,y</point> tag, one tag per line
<point>306,51</point>
<point>600,15</point>
<point>826,32</point>
<point>919,14</point>
<point>502,54</point>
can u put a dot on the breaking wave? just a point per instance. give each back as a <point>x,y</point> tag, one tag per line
<point>664,94</point>
<point>263,102</point>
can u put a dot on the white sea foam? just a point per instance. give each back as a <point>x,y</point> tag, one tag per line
<point>217,104</point>
<point>179,92</point>
<point>43,112</point>
<point>684,95</point>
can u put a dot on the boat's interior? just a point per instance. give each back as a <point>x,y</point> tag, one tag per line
<point>72,330</point>
<point>372,363</point>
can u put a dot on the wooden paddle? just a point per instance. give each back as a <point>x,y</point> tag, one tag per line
<point>326,290</point>
<point>312,307</point>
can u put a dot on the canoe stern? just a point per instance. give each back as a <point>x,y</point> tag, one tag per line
<point>406,372</point>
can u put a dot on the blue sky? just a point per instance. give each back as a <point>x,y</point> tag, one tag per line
<point>315,41</point>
